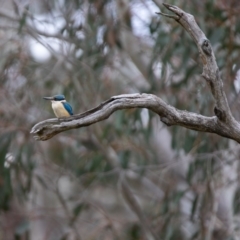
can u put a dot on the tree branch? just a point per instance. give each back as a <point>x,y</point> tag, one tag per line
<point>168,114</point>
<point>223,123</point>
<point>210,68</point>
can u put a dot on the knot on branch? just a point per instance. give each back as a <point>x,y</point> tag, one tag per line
<point>166,121</point>
<point>221,115</point>
<point>206,47</point>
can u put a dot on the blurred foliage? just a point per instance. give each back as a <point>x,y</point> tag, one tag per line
<point>70,187</point>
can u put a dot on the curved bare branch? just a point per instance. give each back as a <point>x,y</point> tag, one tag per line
<point>223,123</point>
<point>168,114</point>
<point>210,68</point>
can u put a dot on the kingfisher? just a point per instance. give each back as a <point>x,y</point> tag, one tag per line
<point>60,107</point>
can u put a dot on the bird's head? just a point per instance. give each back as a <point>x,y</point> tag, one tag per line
<point>59,97</point>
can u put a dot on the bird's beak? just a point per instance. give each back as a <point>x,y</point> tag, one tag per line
<point>48,98</point>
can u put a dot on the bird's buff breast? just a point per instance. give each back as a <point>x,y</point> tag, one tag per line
<point>59,110</point>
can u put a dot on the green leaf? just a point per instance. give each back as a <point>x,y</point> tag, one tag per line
<point>5,180</point>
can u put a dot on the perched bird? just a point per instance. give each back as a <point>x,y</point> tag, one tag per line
<point>60,107</point>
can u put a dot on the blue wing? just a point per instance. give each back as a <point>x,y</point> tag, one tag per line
<point>68,107</point>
